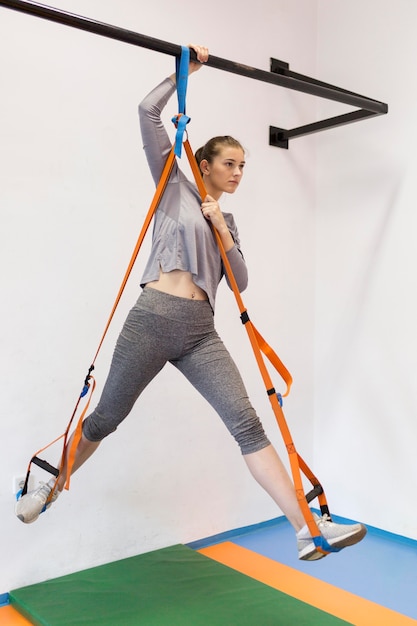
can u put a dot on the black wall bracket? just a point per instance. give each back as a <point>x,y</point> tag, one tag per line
<point>280,73</point>
<point>279,137</point>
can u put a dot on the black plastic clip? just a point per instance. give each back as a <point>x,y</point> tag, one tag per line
<point>244,317</point>
<point>87,382</point>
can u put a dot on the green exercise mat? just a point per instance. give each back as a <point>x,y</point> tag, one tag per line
<point>175,586</point>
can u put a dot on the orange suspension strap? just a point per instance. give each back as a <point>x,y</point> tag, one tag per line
<point>259,346</point>
<point>68,454</point>
<point>89,382</point>
<point>181,67</point>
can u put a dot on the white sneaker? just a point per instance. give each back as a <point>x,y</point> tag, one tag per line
<point>32,504</point>
<point>337,536</point>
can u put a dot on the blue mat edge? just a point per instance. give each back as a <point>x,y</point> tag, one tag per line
<point>4,599</point>
<point>276,521</point>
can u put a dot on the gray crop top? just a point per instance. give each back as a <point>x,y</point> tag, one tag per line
<point>182,238</point>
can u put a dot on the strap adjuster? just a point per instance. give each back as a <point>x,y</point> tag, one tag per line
<point>244,317</point>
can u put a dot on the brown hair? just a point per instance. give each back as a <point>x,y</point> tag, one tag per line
<point>213,147</point>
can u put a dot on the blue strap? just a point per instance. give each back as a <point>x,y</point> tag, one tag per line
<point>85,390</point>
<point>181,121</point>
<point>321,542</point>
<point>181,71</point>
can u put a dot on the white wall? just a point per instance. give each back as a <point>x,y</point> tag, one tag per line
<point>74,192</point>
<point>366,300</point>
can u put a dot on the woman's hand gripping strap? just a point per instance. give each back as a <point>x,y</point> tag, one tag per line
<point>181,120</point>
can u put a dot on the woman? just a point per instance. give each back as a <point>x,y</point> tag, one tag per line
<point>173,321</point>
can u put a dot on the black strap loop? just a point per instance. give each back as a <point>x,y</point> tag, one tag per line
<point>45,466</point>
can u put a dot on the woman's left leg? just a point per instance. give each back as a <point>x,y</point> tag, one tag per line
<point>212,371</point>
<point>268,470</point>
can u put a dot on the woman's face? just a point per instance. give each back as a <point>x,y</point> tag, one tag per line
<point>225,172</point>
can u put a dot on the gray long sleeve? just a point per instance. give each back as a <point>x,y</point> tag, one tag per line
<point>182,237</point>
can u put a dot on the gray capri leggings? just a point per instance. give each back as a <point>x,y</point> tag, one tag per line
<point>162,328</point>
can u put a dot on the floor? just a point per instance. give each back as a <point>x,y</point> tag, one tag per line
<point>371,584</point>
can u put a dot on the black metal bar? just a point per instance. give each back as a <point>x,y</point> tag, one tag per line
<point>279,137</point>
<point>280,73</point>
<point>331,122</point>
<point>114,32</point>
<point>281,67</point>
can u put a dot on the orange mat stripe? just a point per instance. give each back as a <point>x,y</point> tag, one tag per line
<point>306,588</point>
<point>10,617</point>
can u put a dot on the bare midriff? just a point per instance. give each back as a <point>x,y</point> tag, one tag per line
<point>178,283</point>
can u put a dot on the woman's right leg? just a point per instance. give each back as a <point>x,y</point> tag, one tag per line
<point>138,356</point>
